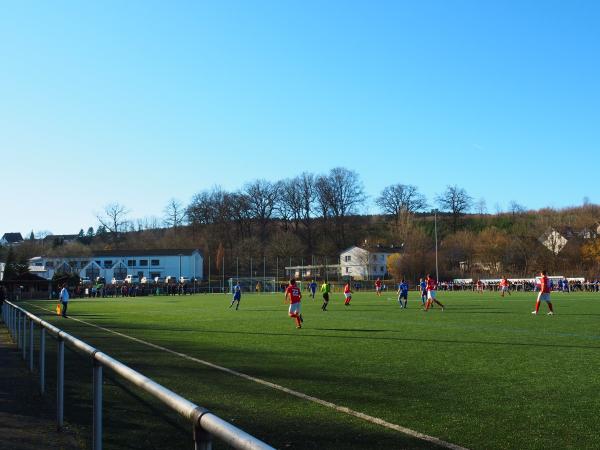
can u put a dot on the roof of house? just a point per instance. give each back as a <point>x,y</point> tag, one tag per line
<point>124,253</point>
<point>12,238</point>
<point>151,252</point>
<point>377,248</point>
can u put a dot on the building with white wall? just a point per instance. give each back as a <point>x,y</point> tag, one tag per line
<point>366,263</point>
<point>118,264</point>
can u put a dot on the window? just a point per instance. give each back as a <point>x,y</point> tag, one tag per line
<point>99,262</point>
<point>108,264</point>
<point>155,262</point>
<point>130,262</point>
<point>381,269</point>
<point>143,263</point>
<point>120,273</point>
<point>347,258</point>
<point>347,269</point>
<point>153,275</point>
<point>92,272</point>
<point>50,264</point>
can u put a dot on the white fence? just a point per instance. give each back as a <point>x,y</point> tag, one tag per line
<point>205,425</point>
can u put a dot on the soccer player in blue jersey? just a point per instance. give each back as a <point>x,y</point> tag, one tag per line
<point>423,289</point>
<point>403,293</point>
<point>237,295</point>
<point>313,289</point>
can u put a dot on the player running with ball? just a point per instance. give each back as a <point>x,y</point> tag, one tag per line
<point>294,295</point>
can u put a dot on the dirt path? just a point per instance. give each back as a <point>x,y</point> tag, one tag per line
<point>26,418</point>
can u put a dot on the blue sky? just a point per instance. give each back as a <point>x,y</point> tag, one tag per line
<point>140,102</point>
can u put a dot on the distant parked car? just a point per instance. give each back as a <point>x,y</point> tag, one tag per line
<point>170,279</point>
<point>184,280</point>
<point>85,280</point>
<point>116,282</point>
<point>159,280</point>
<point>148,280</point>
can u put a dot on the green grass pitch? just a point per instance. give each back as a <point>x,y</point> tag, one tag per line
<point>483,374</point>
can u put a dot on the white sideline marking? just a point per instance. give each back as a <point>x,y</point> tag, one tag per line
<point>342,409</point>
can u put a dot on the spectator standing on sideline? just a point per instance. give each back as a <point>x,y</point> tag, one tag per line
<point>64,300</point>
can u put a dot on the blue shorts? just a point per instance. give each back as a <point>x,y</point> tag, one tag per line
<point>403,295</point>
<point>237,296</point>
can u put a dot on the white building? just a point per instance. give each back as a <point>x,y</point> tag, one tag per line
<point>366,263</point>
<point>120,263</point>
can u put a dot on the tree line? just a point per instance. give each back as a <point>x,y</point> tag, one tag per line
<point>319,215</point>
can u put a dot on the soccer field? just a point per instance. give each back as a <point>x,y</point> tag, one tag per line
<point>483,374</point>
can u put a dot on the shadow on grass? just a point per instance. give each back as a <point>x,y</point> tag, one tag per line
<point>305,333</point>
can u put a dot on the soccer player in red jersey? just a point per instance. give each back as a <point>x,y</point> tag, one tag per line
<point>294,295</point>
<point>378,287</point>
<point>480,286</point>
<point>544,294</point>
<point>431,287</point>
<point>347,294</point>
<point>504,284</point>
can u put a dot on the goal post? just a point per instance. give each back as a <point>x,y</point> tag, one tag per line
<point>255,285</point>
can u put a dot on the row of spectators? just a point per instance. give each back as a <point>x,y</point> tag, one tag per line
<point>562,285</point>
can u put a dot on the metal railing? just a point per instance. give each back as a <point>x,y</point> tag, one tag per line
<point>204,423</point>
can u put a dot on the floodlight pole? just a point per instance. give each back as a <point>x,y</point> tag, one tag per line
<point>437,279</point>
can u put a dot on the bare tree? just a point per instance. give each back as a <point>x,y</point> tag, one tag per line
<point>399,198</point>
<point>174,214</point>
<point>481,206</point>
<point>262,198</point>
<point>515,208</point>
<point>289,203</point>
<point>340,194</point>
<point>306,184</point>
<point>456,201</point>
<point>114,219</point>
<point>296,203</point>
<point>148,223</point>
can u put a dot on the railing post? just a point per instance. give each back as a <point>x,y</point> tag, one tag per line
<point>97,440</point>
<point>24,337</point>
<point>202,438</point>
<point>60,384</point>
<point>18,329</point>
<point>31,345</point>
<point>42,361</point>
